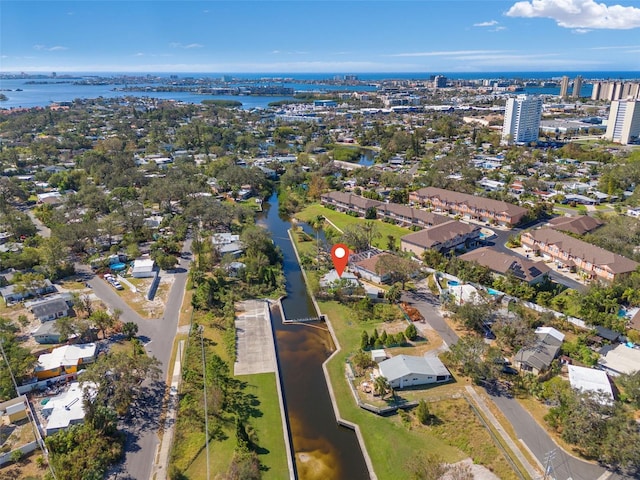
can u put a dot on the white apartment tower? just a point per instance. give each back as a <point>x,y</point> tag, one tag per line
<point>624,121</point>
<point>522,119</point>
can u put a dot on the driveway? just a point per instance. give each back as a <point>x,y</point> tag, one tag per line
<point>527,429</point>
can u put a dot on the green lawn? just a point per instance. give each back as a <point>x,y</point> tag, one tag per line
<point>342,220</point>
<point>268,425</point>
<point>390,444</point>
<point>189,454</point>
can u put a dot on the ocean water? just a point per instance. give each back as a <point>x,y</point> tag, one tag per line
<point>44,94</point>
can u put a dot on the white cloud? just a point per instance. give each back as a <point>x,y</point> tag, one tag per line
<point>446,53</point>
<point>44,48</point>
<point>187,46</point>
<point>490,23</point>
<point>139,54</point>
<point>615,47</point>
<point>292,52</point>
<point>579,13</point>
<point>498,29</point>
<point>580,31</point>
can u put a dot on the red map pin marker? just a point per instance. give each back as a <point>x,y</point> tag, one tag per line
<point>340,257</point>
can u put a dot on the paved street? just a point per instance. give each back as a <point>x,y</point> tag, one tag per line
<point>527,429</point>
<point>158,336</point>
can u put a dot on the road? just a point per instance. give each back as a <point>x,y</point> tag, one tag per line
<point>527,429</point>
<point>158,336</point>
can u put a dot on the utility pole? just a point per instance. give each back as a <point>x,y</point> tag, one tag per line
<point>204,388</point>
<point>548,465</point>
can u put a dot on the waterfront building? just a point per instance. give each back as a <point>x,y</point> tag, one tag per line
<point>624,121</point>
<point>615,91</point>
<point>522,119</point>
<point>577,86</point>
<point>564,86</point>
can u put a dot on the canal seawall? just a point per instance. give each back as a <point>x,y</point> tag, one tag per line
<point>339,419</point>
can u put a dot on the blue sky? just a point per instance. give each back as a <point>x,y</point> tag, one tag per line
<point>319,36</point>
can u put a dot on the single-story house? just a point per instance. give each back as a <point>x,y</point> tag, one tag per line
<point>143,268</point>
<point>227,243</point>
<point>12,294</point>
<point>64,360</point>
<point>619,359</point>
<point>578,225</point>
<point>13,410</point>
<point>50,309</point>
<point>365,265</point>
<point>47,333</point>
<point>444,237</point>
<point>65,409</point>
<point>331,279</point>
<point>406,371</point>
<point>538,357</point>
<point>590,380</point>
<point>505,264</point>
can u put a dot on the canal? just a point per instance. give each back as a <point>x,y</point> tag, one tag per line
<point>323,449</point>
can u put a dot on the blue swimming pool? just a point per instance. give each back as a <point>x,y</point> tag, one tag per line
<point>491,291</point>
<point>116,267</point>
<point>453,283</point>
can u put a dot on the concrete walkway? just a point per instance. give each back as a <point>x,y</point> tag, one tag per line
<point>479,401</point>
<point>254,340</point>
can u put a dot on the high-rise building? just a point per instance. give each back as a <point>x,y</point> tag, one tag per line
<point>564,87</point>
<point>522,119</point>
<point>623,125</point>
<point>613,90</point>
<point>597,91</point>
<point>440,81</point>
<point>577,86</point>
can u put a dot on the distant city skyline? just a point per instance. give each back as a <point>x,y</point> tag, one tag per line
<point>309,36</point>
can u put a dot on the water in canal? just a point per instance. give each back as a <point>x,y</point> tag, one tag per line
<point>323,450</point>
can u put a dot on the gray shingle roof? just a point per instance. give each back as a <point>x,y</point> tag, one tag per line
<point>402,365</point>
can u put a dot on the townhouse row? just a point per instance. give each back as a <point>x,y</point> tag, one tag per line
<point>470,207</point>
<point>569,252</point>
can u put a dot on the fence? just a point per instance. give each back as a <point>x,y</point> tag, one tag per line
<point>154,286</point>
<point>28,448</point>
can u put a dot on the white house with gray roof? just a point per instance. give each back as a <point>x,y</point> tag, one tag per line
<point>406,371</point>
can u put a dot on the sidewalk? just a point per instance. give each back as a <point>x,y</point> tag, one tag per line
<point>479,401</point>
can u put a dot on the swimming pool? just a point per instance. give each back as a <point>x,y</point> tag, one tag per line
<point>452,283</point>
<point>491,291</point>
<point>116,267</point>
